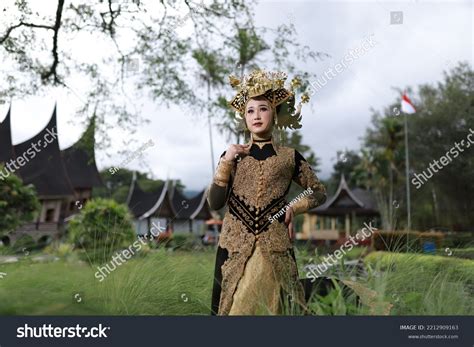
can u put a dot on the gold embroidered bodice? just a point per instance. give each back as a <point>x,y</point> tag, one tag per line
<point>258,187</point>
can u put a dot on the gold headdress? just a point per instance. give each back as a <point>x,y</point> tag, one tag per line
<point>271,85</point>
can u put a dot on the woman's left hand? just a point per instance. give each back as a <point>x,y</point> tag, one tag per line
<point>289,222</point>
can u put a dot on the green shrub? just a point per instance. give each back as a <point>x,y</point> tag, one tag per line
<point>355,253</point>
<point>185,242</point>
<point>467,253</point>
<point>396,241</point>
<point>456,268</point>
<point>61,250</point>
<point>25,242</point>
<point>102,228</point>
<point>18,203</point>
<point>459,240</point>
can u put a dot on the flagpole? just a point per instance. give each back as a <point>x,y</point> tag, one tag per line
<point>407,108</point>
<point>407,166</point>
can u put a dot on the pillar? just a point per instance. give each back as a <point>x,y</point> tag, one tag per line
<point>348,225</point>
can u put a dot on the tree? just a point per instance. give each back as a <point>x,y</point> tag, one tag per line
<point>18,203</point>
<point>212,75</point>
<point>386,141</point>
<point>101,228</point>
<point>374,172</point>
<point>145,47</point>
<point>346,164</point>
<point>445,115</point>
<point>294,140</point>
<point>443,119</point>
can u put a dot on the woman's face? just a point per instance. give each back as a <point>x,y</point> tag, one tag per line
<point>259,116</point>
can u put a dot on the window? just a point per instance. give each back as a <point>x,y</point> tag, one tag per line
<point>49,215</point>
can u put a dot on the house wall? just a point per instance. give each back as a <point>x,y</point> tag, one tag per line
<point>47,205</point>
<point>318,228</point>
<point>141,226</point>
<point>182,226</point>
<point>75,203</point>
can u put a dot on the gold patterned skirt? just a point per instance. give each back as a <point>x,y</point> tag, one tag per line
<point>258,291</point>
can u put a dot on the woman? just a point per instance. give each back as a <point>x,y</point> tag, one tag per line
<point>256,270</point>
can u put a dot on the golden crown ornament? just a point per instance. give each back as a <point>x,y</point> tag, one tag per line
<point>271,85</point>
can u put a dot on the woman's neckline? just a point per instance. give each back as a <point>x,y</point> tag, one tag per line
<point>262,140</point>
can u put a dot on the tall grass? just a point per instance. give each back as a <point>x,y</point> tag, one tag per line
<point>162,283</point>
<point>180,283</point>
<point>423,284</point>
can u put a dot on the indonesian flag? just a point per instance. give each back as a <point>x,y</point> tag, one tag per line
<point>407,105</point>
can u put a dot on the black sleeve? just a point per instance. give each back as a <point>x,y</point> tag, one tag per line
<point>305,176</point>
<point>217,195</point>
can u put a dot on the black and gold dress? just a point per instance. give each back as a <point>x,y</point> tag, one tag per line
<point>255,264</point>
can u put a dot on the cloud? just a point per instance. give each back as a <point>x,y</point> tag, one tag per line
<point>433,37</point>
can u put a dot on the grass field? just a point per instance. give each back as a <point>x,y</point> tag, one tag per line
<point>180,283</point>
<point>158,284</point>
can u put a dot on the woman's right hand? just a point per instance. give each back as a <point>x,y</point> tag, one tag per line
<point>234,150</point>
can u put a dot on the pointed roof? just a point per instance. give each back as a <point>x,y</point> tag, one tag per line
<point>147,204</point>
<point>344,189</point>
<point>80,160</point>
<point>166,202</point>
<point>44,167</point>
<point>191,208</point>
<point>346,200</point>
<point>6,147</point>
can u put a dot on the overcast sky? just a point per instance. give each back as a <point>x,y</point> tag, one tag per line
<point>433,37</point>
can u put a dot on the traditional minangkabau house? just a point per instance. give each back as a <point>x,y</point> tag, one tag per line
<point>6,148</point>
<point>341,215</point>
<point>149,208</point>
<point>168,209</point>
<point>63,179</point>
<point>191,214</point>
<point>81,168</point>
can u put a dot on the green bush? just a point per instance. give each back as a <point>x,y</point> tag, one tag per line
<point>396,241</point>
<point>26,242</point>
<point>102,228</point>
<point>356,253</point>
<point>457,269</point>
<point>18,203</point>
<point>185,242</point>
<point>459,240</point>
<point>467,253</point>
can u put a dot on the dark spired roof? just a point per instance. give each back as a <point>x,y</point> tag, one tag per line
<point>45,168</point>
<point>6,148</point>
<point>193,208</point>
<point>149,204</point>
<point>80,160</point>
<point>345,200</point>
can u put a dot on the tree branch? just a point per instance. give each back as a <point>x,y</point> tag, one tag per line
<point>52,71</point>
<point>30,25</point>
